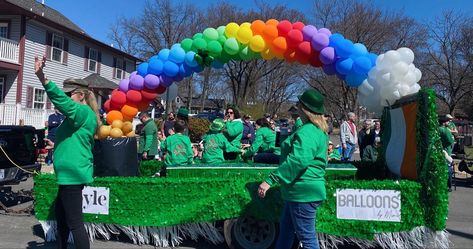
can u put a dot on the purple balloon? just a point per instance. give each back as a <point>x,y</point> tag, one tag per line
<point>329,69</point>
<point>136,82</point>
<point>123,86</point>
<point>166,81</point>
<point>133,74</point>
<point>308,32</point>
<point>325,31</point>
<point>320,41</point>
<point>327,55</point>
<point>152,81</point>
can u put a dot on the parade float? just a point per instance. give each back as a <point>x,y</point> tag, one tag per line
<point>399,201</point>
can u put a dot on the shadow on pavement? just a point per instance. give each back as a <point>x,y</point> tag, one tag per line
<point>461,234</point>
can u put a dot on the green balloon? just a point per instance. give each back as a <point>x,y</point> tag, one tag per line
<point>224,57</point>
<point>210,34</point>
<point>199,44</point>
<point>208,61</point>
<point>198,35</point>
<point>198,59</point>
<point>231,46</point>
<point>222,39</point>
<point>221,30</point>
<point>246,54</point>
<point>214,48</point>
<point>186,44</point>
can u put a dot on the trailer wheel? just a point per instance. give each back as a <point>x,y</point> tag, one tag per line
<point>248,232</point>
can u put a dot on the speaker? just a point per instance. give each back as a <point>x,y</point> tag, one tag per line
<point>116,157</point>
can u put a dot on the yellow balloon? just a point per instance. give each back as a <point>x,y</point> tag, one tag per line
<point>117,124</point>
<point>267,54</point>
<point>127,127</point>
<point>246,25</point>
<point>244,35</point>
<point>231,30</point>
<point>104,131</point>
<point>131,134</point>
<point>257,44</point>
<point>116,132</point>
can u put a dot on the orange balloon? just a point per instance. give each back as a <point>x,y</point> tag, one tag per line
<point>257,27</point>
<point>272,22</point>
<point>127,127</point>
<point>114,115</point>
<point>127,118</point>
<point>129,110</point>
<point>270,33</point>
<point>279,45</point>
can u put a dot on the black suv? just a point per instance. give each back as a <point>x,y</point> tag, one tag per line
<point>21,144</point>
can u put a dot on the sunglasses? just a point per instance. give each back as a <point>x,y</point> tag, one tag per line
<point>229,112</point>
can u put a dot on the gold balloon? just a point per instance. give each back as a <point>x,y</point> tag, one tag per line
<point>104,131</point>
<point>116,132</point>
<point>131,134</point>
<point>117,124</point>
<point>127,127</point>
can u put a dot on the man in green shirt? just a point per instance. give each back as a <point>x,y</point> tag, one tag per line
<point>451,125</point>
<point>177,147</point>
<point>264,144</point>
<point>215,143</point>
<point>446,136</point>
<point>148,143</point>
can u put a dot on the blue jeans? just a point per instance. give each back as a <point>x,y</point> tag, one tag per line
<point>348,152</point>
<point>298,219</point>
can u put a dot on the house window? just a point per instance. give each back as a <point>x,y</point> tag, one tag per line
<point>93,58</point>
<point>57,47</point>
<point>39,98</point>
<point>119,69</point>
<point>4,29</point>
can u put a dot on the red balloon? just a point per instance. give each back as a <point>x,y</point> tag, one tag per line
<point>304,52</point>
<point>298,25</point>
<point>315,60</point>
<point>290,55</point>
<point>106,106</point>
<point>143,106</point>
<point>160,90</point>
<point>284,27</point>
<point>294,37</point>
<point>115,106</point>
<point>148,94</point>
<point>133,96</point>
<point>118,97</point>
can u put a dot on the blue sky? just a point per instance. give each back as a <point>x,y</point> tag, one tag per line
<point>96,16</point>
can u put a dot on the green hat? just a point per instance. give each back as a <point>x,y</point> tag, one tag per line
<point>183,112</point>
<point>313,101</point>
<point>217,125</point>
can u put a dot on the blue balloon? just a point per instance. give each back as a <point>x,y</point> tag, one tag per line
<point>154,57</point>
<point>359,50</point>
<point>373,58</point>
<point>170,69</point>
<point>335,39</point>
<point>166,81</point>
<point>362,65</point>
<point>344,66</point>
<point>354,80</point>
<point>155,67</point>
<point>143,69</point>
<point>177,78</point>
<point>177,55</point>
<point>217,64</point>
<point>185,70</point>
<point>190,59</point>
<point>198,69</point>
<point>176,45</point>
<point>340,76</point>
<point>344,48</point>
<point>164,54</point>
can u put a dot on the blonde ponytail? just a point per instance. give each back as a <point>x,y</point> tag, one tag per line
<point>315,118</point>
<point>91,101</point>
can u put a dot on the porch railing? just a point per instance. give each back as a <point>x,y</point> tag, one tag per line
<point>9,50</point>
<point>11,114</point>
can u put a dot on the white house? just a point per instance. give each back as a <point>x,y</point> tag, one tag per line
<point>28,29</point>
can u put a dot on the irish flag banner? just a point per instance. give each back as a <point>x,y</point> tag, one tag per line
<point>400,134</point>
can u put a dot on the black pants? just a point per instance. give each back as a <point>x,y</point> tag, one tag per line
<point>266,157</point>
<point>230,155</point>
<point>69,217</point>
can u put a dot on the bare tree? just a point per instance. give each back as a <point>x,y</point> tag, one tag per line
<point>449,65</point>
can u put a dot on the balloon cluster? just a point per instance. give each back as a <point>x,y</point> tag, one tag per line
<point>293,42</point>
<point>394,76</point>
<point>117,129</point>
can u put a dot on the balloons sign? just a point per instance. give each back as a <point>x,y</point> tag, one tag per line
<point>380,80</point>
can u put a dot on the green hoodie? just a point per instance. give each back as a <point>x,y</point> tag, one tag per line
<point>302,168</point>
<point>447,139</point>
<point>73,160</point>
<point>178,150</point>
<point>265,141</point>
<point>298,124</point>
<point>149,138</point>
<point>214,146</point>
<point>234,132</point>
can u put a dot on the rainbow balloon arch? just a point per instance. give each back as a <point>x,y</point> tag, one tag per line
<point>381,80</point>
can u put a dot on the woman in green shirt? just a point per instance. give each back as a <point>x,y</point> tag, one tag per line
<point>72,158</point>
<point>233,131</point>
<point>301,174</point>
<point>215,144</point>
<point>264,144</point>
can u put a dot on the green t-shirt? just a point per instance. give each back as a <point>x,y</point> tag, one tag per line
<point>214,146</point>
<point>298,124</point>
<point>234,132</point>
<point>149,138</point>
<point>265,141</point>
<point>302,165</point>
<point>73,159</point>
<point>178,150</point>
<point>334,155</point>
<point>447,139</point>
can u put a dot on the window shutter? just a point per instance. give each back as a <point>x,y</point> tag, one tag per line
<point>49,43</point>
<point>29,97</point>
<point>65,53</point>
<point>99,61</point>
<point>86,58</point>
<point>124,69</point>
<point>114,68</point>
<point>48,103</point>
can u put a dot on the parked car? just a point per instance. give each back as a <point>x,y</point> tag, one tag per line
<point>209,115</point>
<point>20,143</point>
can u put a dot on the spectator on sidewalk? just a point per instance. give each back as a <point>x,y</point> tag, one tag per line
<point>365,136</point>
<point>54,120</point>
<point>371,151</point>
<point>248,131</point>
<point>168,124</point>
<point>348,137</point>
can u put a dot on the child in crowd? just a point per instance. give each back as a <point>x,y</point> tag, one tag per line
<point>215,143</point>
<point>333,152</point>
<point>177,147</point>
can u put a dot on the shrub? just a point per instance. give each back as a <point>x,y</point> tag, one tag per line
<point>197,128</point>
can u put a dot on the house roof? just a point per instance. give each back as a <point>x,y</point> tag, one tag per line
<point>92,81</point>
<point>55,19</point>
